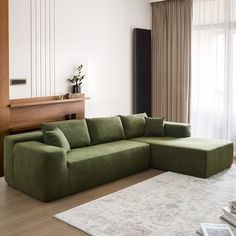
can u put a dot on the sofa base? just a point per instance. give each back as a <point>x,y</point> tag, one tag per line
<point>49,173</point>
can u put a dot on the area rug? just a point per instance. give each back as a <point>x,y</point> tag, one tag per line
<point>168,204</point>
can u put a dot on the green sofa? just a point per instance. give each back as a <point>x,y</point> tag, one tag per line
<point>91,152</point>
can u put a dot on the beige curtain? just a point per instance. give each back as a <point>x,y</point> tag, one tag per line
<point>171,58</point>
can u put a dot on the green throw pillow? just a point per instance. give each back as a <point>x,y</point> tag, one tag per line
<point>134,125</point>
<point>75,131</point>
<point>57,138</point>
<point>154,127</point>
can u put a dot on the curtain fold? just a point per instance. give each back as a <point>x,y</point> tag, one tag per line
<point>171,59</point>
<point>213,106</point>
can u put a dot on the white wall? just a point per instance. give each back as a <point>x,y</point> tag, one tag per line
<point>98,34</point>
<point>19,52</point>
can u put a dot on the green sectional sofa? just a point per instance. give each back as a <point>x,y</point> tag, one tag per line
<point>67,157</point>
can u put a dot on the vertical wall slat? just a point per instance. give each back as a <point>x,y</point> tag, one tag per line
<point>42,47</point>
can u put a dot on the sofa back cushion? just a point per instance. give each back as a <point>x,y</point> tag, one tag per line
<point>57,138</point>
<point>134,125</point>
<point>75,131</point>
<point>107,129</point>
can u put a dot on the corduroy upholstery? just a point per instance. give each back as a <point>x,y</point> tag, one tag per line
<point>179,130</point>
<point>105,129</point>
<point>57,138</point>
<point>134,125</point>
<point>154,127</point>
<point>76,132</point>
<point>9,144</point>
<point>49,172</point>
<point>191,156</point>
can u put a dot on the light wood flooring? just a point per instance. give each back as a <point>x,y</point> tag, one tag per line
<point>22,215</point>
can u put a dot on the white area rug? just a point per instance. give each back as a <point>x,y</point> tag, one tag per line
<point>169,204</point>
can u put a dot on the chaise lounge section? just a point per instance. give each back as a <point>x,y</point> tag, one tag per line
<point>91,152</point>
<point>191,156</point>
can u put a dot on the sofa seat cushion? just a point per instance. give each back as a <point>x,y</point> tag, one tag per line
<point>95,165</point>
<point>105,129</point>
<point>75,131</point>
<point>193,156</point>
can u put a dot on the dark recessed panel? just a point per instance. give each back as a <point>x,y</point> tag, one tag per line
<point>17,81</point>
<point>142,71</point>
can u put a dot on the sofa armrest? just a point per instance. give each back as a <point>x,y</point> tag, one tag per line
<point>9,143</point>
<point>40,170</point>
<point>180,130</point>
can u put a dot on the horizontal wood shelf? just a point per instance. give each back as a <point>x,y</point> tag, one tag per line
<point>29,113</point>
<point>19,129</point>
<point>28,127</point>
<point>46,102</point>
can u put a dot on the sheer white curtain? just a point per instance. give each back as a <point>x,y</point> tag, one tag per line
<point>213,89</point>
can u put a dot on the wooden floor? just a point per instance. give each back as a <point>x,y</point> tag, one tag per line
<point>22,215</point>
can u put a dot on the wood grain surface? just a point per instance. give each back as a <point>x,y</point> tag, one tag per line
<point>4,77</point>
<point>23,215</point>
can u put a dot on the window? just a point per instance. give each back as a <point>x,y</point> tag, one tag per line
<point>213,99</point>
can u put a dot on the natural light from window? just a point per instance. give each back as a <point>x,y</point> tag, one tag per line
<point>213,90</point>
